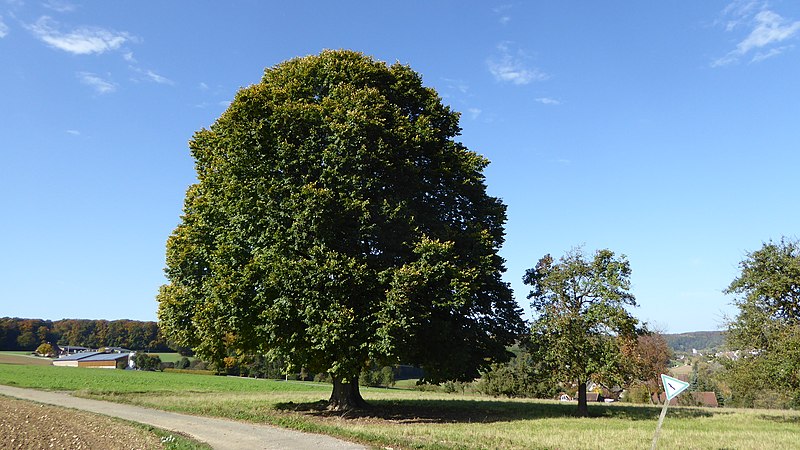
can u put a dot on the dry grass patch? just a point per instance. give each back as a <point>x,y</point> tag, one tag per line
<point>405,419</point>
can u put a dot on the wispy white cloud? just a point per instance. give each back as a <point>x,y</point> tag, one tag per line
<point>74,132</point>
<point>149,75</point>
<point>202,86</point>
<point>767,30</point>
<point>770,28</point>
<point>3,28</point>
<point>508,65</point>
<point>548,101</point>
<point>156,78</point>
<point>457,85</point>
<point>80,41</point>
<point>128,56</point>
<point>739,12</point>
<point>100,85</point>
<point>502,11</point>
<point>474,113</point>
<point>761,56</point>
<point>59,6</point>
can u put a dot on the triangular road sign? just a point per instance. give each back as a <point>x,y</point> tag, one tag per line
<point>673,386</point>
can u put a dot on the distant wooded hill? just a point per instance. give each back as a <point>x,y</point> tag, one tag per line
<point>698,340</point>
<point>27,334</point>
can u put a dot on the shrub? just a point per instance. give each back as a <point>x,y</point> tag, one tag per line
<point>377,377</point>
<point>182,363</point>
<point>231,365</point>
<point>198,365</point>
<point>322,378</point>
<point>638,393</point>
<point>193,372</point>
<point>517,378</point>
<point>426,387</point>
<point>143,361</point>
<point>453,387</point>
<point>45,350</point>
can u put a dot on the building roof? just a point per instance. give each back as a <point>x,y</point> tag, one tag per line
<point>92,356</point>
<point>105,357</point>
<point>117,350</point>
<point>592,397</point>
<point>77,356</point>
<point>706,398</point>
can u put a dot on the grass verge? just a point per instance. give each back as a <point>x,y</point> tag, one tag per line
<point>401,418</point>
<point>171,440</point>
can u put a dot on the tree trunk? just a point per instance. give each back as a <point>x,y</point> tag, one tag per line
<point>653,400</point>
<point>583,407</point>
<point>346,395</point>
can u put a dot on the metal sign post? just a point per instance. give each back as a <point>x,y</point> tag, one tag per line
<point>672,387</point>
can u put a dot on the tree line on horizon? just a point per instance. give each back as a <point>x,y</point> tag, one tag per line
<point>27,334</point>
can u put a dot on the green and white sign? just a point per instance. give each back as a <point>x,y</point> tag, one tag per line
<point>673,386</point>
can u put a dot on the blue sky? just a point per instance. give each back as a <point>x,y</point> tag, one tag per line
<point>666,131</point>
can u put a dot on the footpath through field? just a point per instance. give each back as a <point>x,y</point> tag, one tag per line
<point>219,433</point>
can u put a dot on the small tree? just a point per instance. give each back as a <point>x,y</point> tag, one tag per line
<point>45,350</point>
<point>647,358</point>
<point>582,322</point>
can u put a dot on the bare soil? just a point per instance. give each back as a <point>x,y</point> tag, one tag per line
<point>28,425</point>
<point>24,360</point>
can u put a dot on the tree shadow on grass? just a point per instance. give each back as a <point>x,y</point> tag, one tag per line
<point>484,411</point>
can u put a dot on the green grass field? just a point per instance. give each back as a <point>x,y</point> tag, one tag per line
<point>402,418</point>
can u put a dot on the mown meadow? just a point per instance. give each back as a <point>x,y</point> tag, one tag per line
<point>403,418</point>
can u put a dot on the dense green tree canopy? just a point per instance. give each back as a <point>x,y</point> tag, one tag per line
<point>336,223</point>
<point>768,295</point>
<point>582,322</point>
<point>766,329</point>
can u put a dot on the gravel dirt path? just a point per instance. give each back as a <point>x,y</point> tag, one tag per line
<point>219,433</point>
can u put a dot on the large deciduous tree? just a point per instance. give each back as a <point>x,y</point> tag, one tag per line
<point>582,323</point>
<point>767,327</point>
<point>336,223</point>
